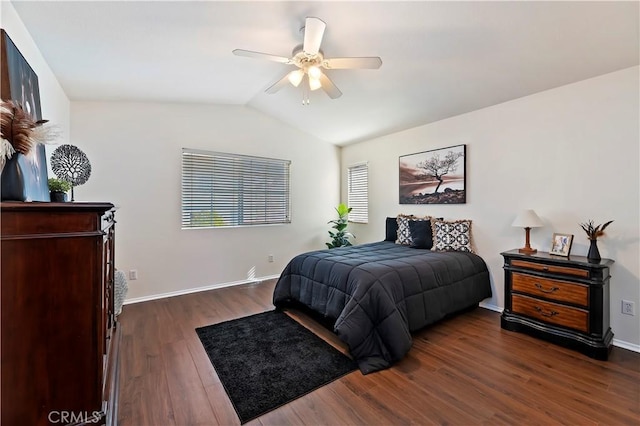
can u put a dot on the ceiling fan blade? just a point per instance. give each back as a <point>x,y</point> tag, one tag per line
<point>279,84</point>
<point>350,63</point>
<point>329,87</point>
<point>313,33</point>
<point>258,55</point>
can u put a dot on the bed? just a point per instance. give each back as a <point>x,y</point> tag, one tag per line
<point>377,294</point>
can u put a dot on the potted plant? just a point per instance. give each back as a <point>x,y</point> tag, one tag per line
<point>58,189</point>
<point>340,238</point>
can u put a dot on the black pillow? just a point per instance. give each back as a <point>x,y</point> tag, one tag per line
<point>421,236</point>
<point>391,229</point>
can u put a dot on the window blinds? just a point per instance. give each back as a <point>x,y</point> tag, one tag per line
<point>221,190</point>
<point>358,192</point>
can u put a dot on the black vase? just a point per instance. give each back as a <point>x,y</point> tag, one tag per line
<point>12,180</point>
<point>594,253</point>
<point>24,178</point>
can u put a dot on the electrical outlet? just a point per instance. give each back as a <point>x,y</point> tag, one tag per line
<point>628,307</point>
<point>133,274</point>
<point>270,258</point>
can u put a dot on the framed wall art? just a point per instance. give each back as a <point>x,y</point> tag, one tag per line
<point>24,177</point>
<point>434,177</point>
<point>561,244</point>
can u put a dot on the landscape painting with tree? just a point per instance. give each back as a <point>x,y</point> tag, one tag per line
<point>434,177</point>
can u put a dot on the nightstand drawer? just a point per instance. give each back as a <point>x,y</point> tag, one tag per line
<point>552,313</point>
<point>561,291</point>
<point>551,268</point>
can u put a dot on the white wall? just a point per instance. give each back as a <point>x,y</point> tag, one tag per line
<point>570,153</point>
<point>135,152</point>
<point>53,101</point>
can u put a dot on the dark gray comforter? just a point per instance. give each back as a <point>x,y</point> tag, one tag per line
<point>379,293</point>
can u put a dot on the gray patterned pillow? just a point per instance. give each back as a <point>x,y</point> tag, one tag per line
<point>404,232</point>
<point>452,235</point>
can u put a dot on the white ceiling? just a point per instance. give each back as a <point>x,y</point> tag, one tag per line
<point>440,59</point>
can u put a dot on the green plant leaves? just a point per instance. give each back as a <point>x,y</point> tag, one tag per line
<point>340,238</point>
<point>58,185</point>
<point>343,210</point>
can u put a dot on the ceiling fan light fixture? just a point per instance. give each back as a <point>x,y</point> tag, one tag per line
<point>314,72</point>
<point>314,83</point>
<point>295,77</point>
<point>311,63</point>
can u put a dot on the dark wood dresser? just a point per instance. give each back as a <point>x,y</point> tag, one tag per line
<point>563,300</point>
<point>59,336</point>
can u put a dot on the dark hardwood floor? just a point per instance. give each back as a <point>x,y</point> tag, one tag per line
<point>464,370</point>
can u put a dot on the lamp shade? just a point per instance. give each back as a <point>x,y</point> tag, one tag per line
<point>527,219</point>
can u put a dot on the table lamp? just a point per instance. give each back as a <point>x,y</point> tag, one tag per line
<point>527,219</point>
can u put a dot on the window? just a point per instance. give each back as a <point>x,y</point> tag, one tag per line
<point>358,193</point>
<point>221,190</point>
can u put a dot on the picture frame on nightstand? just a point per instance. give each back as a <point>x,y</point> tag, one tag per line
<point>561,244</point>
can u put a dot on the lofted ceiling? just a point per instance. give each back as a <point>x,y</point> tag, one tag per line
<point>440,59</point>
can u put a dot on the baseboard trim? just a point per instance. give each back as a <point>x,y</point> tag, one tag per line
<point>196,290</point>
<point>626,345</point>
<point>491,307</point>
<point>616,342</point>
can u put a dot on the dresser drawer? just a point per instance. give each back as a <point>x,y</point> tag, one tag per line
<point>561,291</point>
<point>577,319</point>
<point>551,268</point>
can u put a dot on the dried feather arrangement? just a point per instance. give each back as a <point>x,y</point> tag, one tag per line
<point>6,149</point>
<point>593,232</point>
<point>20,132</point>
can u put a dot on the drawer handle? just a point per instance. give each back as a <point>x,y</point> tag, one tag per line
<point>544,290</point>
<point>545,313</point>
<point>544,268</point>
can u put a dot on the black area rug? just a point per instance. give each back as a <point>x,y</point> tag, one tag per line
<point>268,359</point>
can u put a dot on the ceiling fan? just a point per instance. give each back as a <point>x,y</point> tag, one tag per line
<point>310,60</point>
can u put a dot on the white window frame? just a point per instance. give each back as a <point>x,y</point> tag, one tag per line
<point>358,192</point>
<point>222,190</point>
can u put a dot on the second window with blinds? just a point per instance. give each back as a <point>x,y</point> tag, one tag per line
<point>358,192</point>
<point>222,190</point>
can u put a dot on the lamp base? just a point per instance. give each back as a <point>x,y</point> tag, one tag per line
<point>527,250</point>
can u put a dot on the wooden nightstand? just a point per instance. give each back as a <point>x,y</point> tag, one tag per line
<point>559,299</point>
